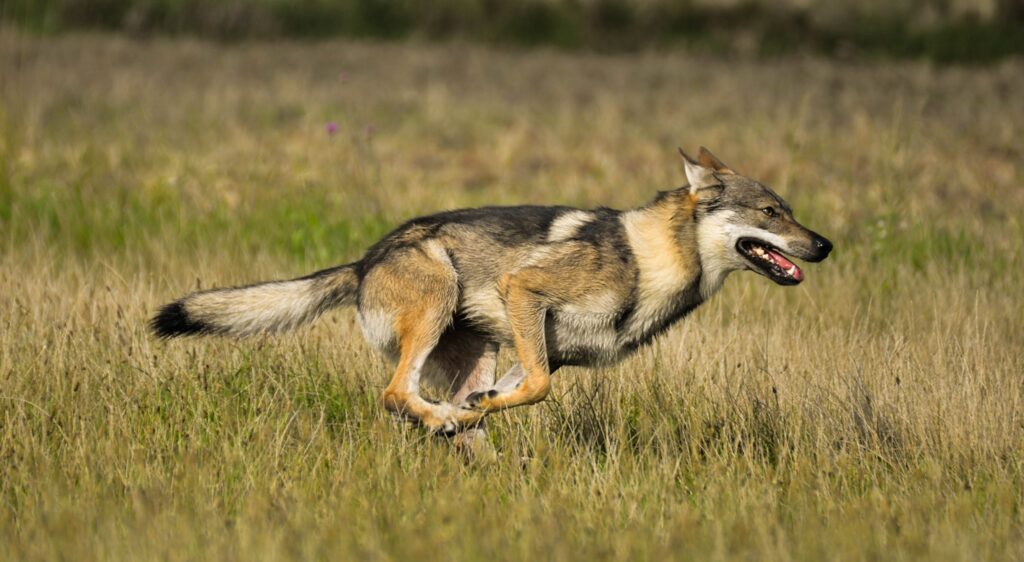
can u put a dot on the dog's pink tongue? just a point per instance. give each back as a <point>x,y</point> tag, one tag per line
<point>786,265</point>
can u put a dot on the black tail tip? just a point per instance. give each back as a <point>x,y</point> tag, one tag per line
<point>172,320</point>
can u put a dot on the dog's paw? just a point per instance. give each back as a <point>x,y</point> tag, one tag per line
<point>478,400</point>
<point>451,419</point>
<point>439,425</point>
<point>468,417</point>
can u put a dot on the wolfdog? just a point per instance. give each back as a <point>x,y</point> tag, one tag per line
<point>440,294</point>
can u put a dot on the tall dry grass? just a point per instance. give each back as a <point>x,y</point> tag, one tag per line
<point>871,413</point>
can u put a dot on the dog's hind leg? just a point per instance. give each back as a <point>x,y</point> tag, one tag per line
<point>402,397</point>
<point>417,289</point>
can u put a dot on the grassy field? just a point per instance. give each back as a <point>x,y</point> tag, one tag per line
<point>873,413</point>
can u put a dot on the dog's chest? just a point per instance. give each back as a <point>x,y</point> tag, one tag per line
<point>654,315</point>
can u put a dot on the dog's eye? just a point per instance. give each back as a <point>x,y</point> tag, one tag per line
<point>768,211</point>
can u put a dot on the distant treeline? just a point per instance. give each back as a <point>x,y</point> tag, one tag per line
<point>941,30</point>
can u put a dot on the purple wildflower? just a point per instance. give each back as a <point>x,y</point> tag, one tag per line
<point>332,128</point>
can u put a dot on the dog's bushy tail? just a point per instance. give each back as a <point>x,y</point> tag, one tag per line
<point>263,308</point>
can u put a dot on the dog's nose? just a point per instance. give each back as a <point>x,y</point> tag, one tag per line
<point>822,247</point>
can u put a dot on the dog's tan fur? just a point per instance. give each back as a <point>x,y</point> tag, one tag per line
<point>441,294</point>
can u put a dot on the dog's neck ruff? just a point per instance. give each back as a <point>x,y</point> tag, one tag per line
<point>662,237</point>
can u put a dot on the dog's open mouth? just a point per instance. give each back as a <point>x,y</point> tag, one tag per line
<point>769,261</point>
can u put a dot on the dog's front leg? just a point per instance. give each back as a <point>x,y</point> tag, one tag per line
<point>526,310</point>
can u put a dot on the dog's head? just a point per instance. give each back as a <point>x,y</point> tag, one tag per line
<point>743,224</point>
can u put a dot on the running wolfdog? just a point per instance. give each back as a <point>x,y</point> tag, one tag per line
<point>564,286</point>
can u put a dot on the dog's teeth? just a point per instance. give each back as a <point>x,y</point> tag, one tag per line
<point>791,271</point>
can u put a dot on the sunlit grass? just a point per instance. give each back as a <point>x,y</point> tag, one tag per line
<point>871,413</point>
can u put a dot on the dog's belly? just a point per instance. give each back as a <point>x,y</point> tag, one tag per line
<point>584,339</point>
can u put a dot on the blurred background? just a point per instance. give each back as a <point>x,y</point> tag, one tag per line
<point>942,30</point>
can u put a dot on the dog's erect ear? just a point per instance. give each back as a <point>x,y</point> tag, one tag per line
<point>699,176</point>
<point>708,160</point>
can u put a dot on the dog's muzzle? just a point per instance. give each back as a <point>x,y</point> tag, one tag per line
<point>821,248</point>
